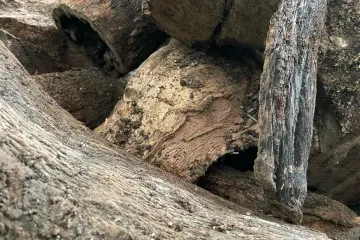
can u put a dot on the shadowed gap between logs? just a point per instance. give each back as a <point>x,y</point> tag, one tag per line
<point>242,160</point>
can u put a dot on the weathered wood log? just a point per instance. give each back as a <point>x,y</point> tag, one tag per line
<point>320,212</point>
<point>183,108</point>
<point>287,101</point>
<point>88,94</point>
<point>246,22</point>
<point>33,38</point>
<point>191,22</point>
<point>115,35</point>
<point>58,180</point>
<point>202,22</point>
<point>334,169</point>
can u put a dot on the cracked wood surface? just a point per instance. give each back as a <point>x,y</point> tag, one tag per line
<point>59,180</point>
<point>287,101</point>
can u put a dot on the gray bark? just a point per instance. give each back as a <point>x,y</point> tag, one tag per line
<point>58,180</point>
<point>287,101</point>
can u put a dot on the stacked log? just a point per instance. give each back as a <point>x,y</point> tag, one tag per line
<point>115,35</point>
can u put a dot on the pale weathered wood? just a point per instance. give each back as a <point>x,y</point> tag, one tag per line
<point>58,180</point>
<point>287,100</point>
<point>115,35</point>
<point>183,108</point>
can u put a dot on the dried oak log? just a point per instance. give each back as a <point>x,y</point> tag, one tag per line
<point>88,94</point>
<point>183,108</point>
<point>115,35</point>
<point>201,22</point>
<point>287,101</point>
<point>320,212</point>
<point>58,180</point>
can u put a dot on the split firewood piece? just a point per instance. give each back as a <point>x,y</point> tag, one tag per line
<point>88,94</point>
<point>183,108</point>
<point>115,35</point>
<point>287,101</point>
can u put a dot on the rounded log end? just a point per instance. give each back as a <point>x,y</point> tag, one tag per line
<point>182,109</point>
<point>80,31</point>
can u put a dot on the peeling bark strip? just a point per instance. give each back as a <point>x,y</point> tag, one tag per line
<point>287,100</point>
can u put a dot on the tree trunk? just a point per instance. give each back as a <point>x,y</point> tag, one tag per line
<point>320,212</point>
<point>287,101</point>
<point>88,94</point>
<point>58,180</point>
<point>240,22</point>
<point>115,35</point>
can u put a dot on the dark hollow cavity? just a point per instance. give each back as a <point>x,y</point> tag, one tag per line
<point>241,160</point>
<point>355,208</point>
<point>82,34</point>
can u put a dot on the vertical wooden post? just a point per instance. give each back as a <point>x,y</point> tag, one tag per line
<point>287,101</point>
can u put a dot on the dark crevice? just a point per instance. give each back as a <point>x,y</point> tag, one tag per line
<point>225,16</point>
<point>82,34</point>
<point>242,160</point>
<point>355,208</point>
<point>217,31</point>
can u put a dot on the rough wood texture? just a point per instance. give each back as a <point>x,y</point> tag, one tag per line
<point>58,180</point>
<point>227,21</point>
<point>336,172</point>
<point>191,22</point>
<point>33,38</point>
<point>287,100</point>
<point>88,94</point>
<point>114,34</point>
<point>182,109</point>
<point>334,169</point>
<point>320,212</point>
<point>246,22</point>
